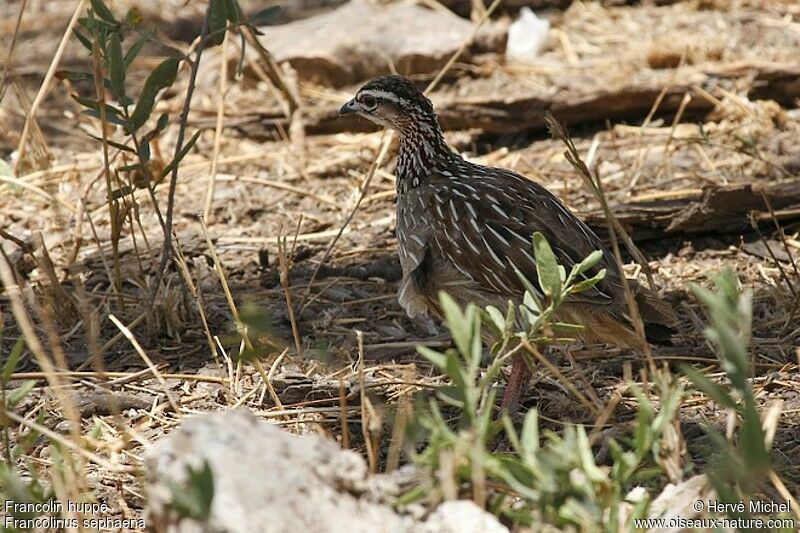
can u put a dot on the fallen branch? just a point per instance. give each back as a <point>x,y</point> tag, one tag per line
<point>718,209</point>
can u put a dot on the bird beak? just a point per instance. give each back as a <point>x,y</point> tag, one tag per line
<point>349,108</point>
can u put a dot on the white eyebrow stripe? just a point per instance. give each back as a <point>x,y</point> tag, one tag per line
<point>377,93</point>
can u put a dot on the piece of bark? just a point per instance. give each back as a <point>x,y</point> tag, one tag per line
<point>519,111</point>
<point>715,210</point>
<point>102,403</point>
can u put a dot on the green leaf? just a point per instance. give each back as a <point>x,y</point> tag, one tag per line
<point>217,23</point>
<point>233,11</point>
<point>460,328</point>
<point>546,266</point>
<point>584,450</point>
<point>710,388</point>
<point>85,41</point>
<point>161,77</point>
<point>125,190</point>
<point>144,144</point>
<point>135,49</point>
<point>496,319</point>
<point>111,115</point>
<point>587,284</point>
<point>117,145</point>
<point>195,498</point>
<point>565,327</point>
<point>181,155</point>
<point>529,288</point>
<point>116,65</point>
<point>437,358</point>
<point>511,433</point>
<point>13,359</point>
<point>19,393</point>
<point>102,11</point>
<point>530,434</point>
<point>476,347</point>
<point>264,16</point>
<point>591,260</point>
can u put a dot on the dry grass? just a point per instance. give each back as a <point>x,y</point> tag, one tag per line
<point>328,289</point>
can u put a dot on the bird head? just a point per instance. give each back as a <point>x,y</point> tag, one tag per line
<point>391,101</point>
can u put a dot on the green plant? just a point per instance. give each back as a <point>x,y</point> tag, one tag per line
<point>15,487</point>
<point>116,103</point>
<point>741,465</point>
<point>193,499</point>
<point>554,478</point>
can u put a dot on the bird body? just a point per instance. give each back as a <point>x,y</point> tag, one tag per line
<point>467,229</point>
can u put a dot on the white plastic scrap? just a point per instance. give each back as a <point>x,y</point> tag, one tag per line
<point>526,36</point>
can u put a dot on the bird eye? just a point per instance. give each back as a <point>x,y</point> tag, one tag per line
<point>369,102</point>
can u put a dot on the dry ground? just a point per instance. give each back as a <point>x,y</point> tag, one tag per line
<point>274,182</point>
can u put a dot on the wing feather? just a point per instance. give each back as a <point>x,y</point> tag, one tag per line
<point>497,212</point>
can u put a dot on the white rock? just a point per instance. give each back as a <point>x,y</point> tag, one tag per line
<point>461,516</point>
<point>526,37</point>
<point>363,39</point>
<point>268,480</point>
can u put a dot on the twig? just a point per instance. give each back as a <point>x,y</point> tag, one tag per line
<point>284,265</point>
<point>272,69</point>
<point>197,296</point>
<point>366,408</point>
<point>439,75</point>
<point>149,362</point>
<point>212,174</point>
<point>25,247</point>
<point>367,180</point>
<point>48,77</point>
<point>80,450</point>
<point>113,205</point>
<point>343,416</point>
<point>596,185</point>
<point>121,377</point>
<point>166,254</point>
<point>237,319</point>
<point>11,47</point>
<point>531,349</point>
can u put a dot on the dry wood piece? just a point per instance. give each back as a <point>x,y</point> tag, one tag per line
<point>715,209</point>
<point>510,112</point>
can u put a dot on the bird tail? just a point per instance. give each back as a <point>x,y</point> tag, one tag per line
<point>658,316</point>
<point>617,328</point>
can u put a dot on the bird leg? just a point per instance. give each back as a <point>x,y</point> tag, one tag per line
<point>517,381</point>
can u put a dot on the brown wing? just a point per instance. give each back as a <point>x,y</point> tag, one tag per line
<point>486,218</point>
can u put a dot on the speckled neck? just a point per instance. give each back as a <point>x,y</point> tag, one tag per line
<point>422,149</point>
